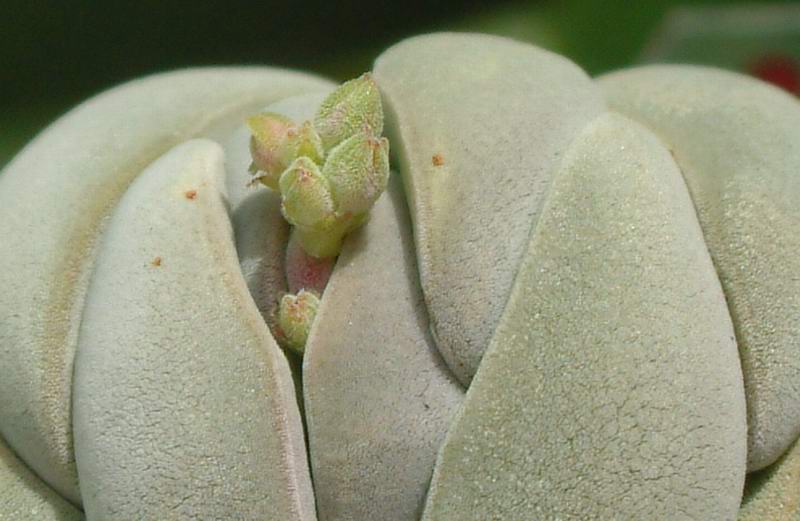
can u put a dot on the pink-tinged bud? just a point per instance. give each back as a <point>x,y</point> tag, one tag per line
<point>276,142</point>
<point>307,143</point>
<point>295,316</point>
<point>353,106</point>
<point>267,146</point>
<point>358,172</point>
<point>329,172</point>
<point>306,195</point>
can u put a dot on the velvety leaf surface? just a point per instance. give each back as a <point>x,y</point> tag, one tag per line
<point>612,388</point>
<point>737,142</point>
<point>24,496</point>
<point>478,125</point>
<point>379,399</point>
<point>184,404</point>
<point>54,198</point>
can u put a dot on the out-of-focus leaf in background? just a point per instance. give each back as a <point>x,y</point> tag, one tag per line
<point>53,54</point>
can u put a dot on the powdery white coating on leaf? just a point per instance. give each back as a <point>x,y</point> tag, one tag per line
<point>54,198</point>
<point>737,141</point>
<point>183,405</point>
<point>23,496</point>
<point>612,387</point>
<point>497,114</point>
<point>379,398</point>
<point>773,494</point>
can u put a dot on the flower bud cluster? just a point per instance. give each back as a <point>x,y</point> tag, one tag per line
<point>329,172</point>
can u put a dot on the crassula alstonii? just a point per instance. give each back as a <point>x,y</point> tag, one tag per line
<point>577,299</point>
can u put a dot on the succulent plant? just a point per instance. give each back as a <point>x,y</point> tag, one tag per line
<point>577,299</point>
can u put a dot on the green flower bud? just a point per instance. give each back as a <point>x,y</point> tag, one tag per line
<point>358,171</point>
<point>351,107</point>
<point>329,172</point>
<point>307,143</point>
<point>295,317</point>
<point>276,142</point>
<point>306,195</point>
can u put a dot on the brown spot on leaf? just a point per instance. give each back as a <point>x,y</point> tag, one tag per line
<point>190,194</point>
<point>437,160</point>
<point>156,262</point>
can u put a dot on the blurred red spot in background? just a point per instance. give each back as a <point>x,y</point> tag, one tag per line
<point>778,69</point>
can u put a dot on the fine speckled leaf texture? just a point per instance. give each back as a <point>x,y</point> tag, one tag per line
<point>379,399</point>
<point>23,496</point>
<point>612,388</point>
<point>183,403</point>
<point>54,198</point>
<point>737,141</point>
<point>478,124</point>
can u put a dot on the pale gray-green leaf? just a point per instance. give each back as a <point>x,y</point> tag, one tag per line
<point>184,406</point>
<point>23,496</point>
<point>737,141</point>
<point>612,388</point>
<point>379,398</point>
<point>478,124</point>
<point>54,200</point>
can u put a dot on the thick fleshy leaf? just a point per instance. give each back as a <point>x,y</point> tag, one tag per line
<point>612,388</point>
<point>183,404</point>
<point>737,141</point>
<point>54,198</point>
<point>379,398</point>
<point>478,124</point>
<point>23,496</point>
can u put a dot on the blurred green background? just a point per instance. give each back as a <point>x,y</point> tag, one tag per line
<point>56,53</point>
